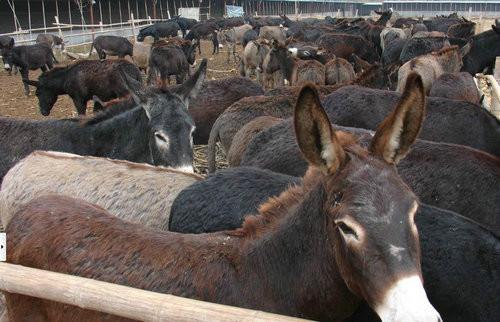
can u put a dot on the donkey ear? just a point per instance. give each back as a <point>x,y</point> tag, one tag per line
<point>400,129</point>
<point>31,82</point>
<point>315,136</point>
<point>133,86</point>
<point>190,88</point>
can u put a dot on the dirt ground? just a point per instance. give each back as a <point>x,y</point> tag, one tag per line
<point>14,103</point>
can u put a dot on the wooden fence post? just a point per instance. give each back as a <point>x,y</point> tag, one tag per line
<point>58,27</point>
<point>132,24</point>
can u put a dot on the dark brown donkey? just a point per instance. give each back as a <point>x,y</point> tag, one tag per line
<point>346,234</point>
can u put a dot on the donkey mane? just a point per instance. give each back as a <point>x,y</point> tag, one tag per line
<point>271,212</point>
<point>445,50</point>
<point>53,72</point>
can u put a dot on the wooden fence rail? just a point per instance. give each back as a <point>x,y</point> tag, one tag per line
<point>120,300</point>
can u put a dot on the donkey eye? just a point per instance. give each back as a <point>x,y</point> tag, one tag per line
<point>160,137</point>
<point>346,230</point>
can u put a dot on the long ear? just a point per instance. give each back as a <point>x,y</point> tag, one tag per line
<point>134,87</point>
<point>31,82</point>
<point>400,129</point>
<point>315,136</point>
<point>190,88</point>
<point>465,49</point>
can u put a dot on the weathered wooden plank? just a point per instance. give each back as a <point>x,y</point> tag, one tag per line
<point>120,300</point>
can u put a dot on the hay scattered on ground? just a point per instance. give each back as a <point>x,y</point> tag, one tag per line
<point>200,159</point>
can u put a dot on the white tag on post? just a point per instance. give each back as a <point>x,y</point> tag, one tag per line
<point>3,247</point>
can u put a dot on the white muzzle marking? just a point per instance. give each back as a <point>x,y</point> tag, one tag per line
<point>293,51</point>
<point>6,66</point>
<point>406,301</point>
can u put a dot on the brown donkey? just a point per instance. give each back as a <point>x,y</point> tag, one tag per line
<point>346,234</point>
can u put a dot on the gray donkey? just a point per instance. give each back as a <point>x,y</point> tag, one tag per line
<point>157,129</point>
<point>433,65</point>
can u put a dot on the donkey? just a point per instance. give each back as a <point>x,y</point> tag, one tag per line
<point>50,40</point>
<point>111,45</point>
<point>157,131</point>
<point>239,114</point>
<point>457,86</point>
<point>351,206</point>
<point>30,57</point>
<point>245,135</point>
<point>448,176</point>
<point>446,121</point>
<point>431,66</point>
<point>452,246</point>
<point>214,98</point>
<point>233,37</point>
<point>252,61</point>
<point>82,80</point>
<point>134,192</point>
<point>338,70</point>
<point>225,198</point>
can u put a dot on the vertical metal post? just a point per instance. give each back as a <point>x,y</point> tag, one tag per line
<point>69,15</point>
<point>129,13</point>
<point>91,11</point>
<point>168,10</point>
<point>137,9</point>
<point>132,24</point>
<point>29,15</point>
<point>146,7</point>
<point>100,10</point>
<point>57,8</point>
<point>109,10</point>
<point>43,13</point>
<point>120,9</point>
<point>161,9</point>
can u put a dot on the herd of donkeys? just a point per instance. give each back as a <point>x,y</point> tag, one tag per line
<point>344,200</point>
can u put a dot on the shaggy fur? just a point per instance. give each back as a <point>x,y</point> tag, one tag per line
<point>338,70</point>
<point>134,192</point>
<point>452,246</point>
<point>245,135</point>
<point>214,98</point>
<point>223,199</point>
<point>239,114</point>
<point>448,176</point>
<point>457,86</point>
<point>300,238</point>
<point>446,120</point>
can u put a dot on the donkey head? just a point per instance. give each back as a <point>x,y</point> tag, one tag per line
<point>368,210</point>
<point>170,126</point>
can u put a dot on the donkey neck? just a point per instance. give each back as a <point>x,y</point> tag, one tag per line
<point>124,136</point>
<point>56,81</point>
<point>294,258</point>
<point>448,62</point>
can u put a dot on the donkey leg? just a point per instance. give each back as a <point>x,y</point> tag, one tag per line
<point>25,75</point>
<point>80,105</point>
